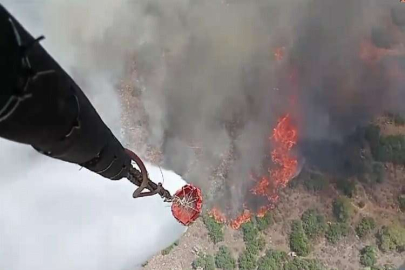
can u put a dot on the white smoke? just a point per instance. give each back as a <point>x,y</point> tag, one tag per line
<point>54,216</point>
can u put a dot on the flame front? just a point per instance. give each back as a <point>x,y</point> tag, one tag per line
<point>245,217</point>
<point>284,138</point>
<point>216,214</point>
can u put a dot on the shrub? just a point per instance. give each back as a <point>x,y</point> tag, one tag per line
<point>342,209</point>
<point>316,182</point>
<point>348,187</point>
<point>401,201</point>
<point>169,248</point>
<point>215,229</point>
<point>246,261</point>
<point>250,232</point>
<point>303,264</point>
<point>336,231</point>
<point>392,149</point>
<point>224,259</point>
<point>298,240</point>
<point>365,226</point>
<point>378,172</point>
<point>397,119</point>
<point>273,260</point>
<point>313,223</point>
<point>204,261</point>
<point>368,256</point>
<point>372,135</point>
<point>265,222</point>
<point>252,247</point>
<point>261,243</point>
<point>391,238</point>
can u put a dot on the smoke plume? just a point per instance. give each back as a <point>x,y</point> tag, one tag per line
<point>216,75</point>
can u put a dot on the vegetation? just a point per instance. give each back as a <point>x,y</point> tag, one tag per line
<point>385,148</point>
<point>247,261</point>
<point>169,248</point>
<point>390,238</point>
<point>378,173</point>
<point>204,261</point>
<point>224,259</point>
<point>348,187</point>
<point>215,229</point>
<point>299,242</point>
<point>342,209</point>
<point>265,222</point>
<point>313,223</point>
<point>368,256</point>
<point>336,231</point>
<point>316,182</point>
<point>385,267</point>
<point>401,201</point>
<point>252,247</point>
<point>365,226</point>
<point>303,264</point>
<point>261,243</point>
<point>395,118</point>
<point>272,260</point>
<point>250,232</point>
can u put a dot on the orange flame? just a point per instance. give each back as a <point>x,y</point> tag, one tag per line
<point>216,214</point>
<point>284,138</point>
<point>279,54</point>
<point>237,222</point>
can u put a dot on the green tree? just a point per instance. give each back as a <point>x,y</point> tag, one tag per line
<point>336,231</point>
<point>250,232</point>
<point>247,261</point>
<point>368,256</point>
<point>224,259</point>
<point>378,172</point>
<point>316,182</point>
<point>342,209</point>
<point>365,226</point>
<point>303,264</point>
<point>252,247</point>
<point>348,187</point>
<point>264,222</point>
<point>401,201</point>
<point>313,223</point>
<point>215,229</point>
<point>261,243</point>
<point>204,261</point>
<point>391,238</point>
<point>272,260</point>
<point>299,242</point>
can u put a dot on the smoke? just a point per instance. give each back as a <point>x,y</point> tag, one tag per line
<point>211,81</point>
<point>53,215</point>
<point>211,86</point>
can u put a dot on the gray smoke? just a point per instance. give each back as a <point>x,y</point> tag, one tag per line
<point>210,79</point>
<point>211,87</point>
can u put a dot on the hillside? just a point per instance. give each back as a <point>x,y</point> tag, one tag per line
<point>320,222</point>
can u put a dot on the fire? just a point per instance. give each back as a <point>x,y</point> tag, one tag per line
<point>237,222</point>
<point>216,214</point>
<point>279,54</point>
<point>284,138</point>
